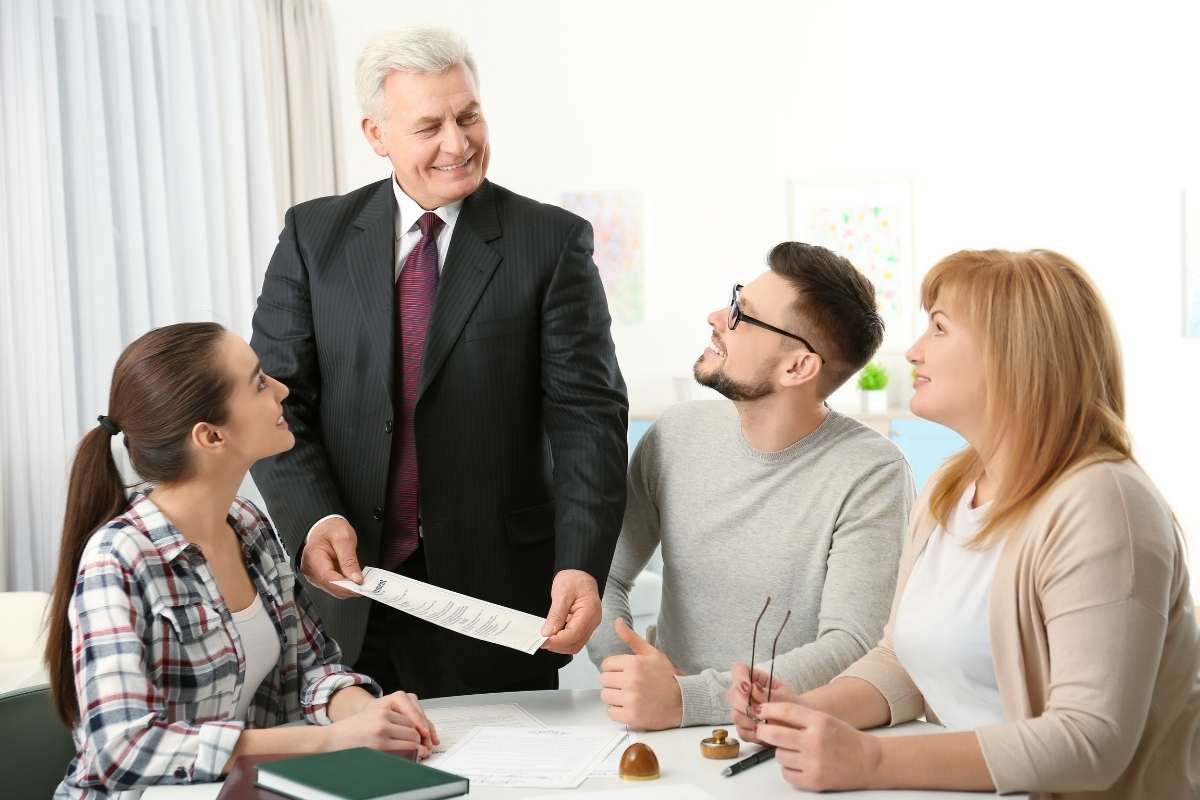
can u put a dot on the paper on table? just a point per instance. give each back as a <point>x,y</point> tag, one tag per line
<point>454,723</point>
<point>678,791</point>
<point>461,613</point>
<point>537,758</point>
<point>610,765</point>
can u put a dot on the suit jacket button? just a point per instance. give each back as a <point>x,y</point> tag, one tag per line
<point>387,426</point>
<point>378,513</point>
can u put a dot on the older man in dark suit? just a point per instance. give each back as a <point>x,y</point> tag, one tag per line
<point>458,409</point>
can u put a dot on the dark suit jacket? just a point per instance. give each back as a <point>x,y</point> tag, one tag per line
<point>521,413</point>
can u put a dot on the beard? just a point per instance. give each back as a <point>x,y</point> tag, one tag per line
<point>735,390</point>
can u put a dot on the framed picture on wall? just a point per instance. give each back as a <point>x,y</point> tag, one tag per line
<point>871,224</point>
<point>1191,263</point>
<point>619,230</point>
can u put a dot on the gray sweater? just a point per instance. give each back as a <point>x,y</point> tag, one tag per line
<point>817,526</point>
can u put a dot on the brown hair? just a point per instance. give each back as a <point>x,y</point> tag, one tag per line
<point>1055,389</point>
<point>163,384</point>
<point>837,302</point>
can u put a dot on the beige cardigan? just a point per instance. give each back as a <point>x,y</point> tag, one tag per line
<point>1094,642</point>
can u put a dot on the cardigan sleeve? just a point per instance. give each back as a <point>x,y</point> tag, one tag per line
<point>1102,576</point>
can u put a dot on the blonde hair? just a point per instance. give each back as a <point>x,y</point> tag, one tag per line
<point>415,49</point>
<point>1055,391</point>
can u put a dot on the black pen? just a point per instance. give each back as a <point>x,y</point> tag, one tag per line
<point>766,754</point>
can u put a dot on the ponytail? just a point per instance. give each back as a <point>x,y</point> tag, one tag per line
<point>164,383</point>
<point>94,496</point>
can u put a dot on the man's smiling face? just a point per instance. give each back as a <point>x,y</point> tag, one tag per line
<point>742,363</point>
<point>434,135</point>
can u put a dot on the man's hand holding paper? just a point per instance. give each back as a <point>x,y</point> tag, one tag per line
<point>575,611</point>
<point>330,555</point>
<point>330,563</point>
<point>460,613</point>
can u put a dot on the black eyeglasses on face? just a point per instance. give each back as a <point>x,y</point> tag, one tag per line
<point>736,315</point>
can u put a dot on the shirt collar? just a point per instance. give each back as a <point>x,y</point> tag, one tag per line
<point>147,517</point>
<point>408,211</point>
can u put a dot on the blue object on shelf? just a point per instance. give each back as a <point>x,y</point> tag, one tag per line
<point>926,445</point>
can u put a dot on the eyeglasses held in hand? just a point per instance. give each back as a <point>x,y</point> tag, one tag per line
<point>753,647</point>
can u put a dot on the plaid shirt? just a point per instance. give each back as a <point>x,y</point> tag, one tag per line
<point>159,664</point>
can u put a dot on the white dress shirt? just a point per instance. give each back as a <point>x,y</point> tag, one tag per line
<point>408,234</point>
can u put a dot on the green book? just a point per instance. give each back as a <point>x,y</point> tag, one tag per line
<point>358,774</point>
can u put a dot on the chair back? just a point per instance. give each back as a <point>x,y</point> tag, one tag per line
<point>35,748</point>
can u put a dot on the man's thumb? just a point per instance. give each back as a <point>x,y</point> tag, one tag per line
<point>629,636</point>
<point>557,617</point>
<point>348,561</point>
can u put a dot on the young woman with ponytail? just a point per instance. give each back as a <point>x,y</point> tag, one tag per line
<point>178,634</point>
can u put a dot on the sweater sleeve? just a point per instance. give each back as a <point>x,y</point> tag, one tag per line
<point>880,667</point>
<point>859,580</point>
<point>1103,578</point>
<point>639,537</point>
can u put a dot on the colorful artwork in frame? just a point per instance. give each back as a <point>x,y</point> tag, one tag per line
<point>870,223</point>
<point>1191,264</point>
<point>618,227</point>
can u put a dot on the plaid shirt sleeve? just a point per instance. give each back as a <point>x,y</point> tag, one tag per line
<point>128,739</point>
<point>317,655</point>
<point>321,670</point>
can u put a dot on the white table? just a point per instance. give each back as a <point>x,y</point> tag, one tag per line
<point>678,754</point>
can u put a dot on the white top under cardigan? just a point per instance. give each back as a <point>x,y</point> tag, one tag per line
<point>942,635</point>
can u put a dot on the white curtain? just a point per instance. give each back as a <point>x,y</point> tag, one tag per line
<point>302,99</point>
<point>136,190</point>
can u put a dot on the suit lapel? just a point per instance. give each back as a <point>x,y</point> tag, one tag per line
<point>370,257</point>
<point>469,266</point>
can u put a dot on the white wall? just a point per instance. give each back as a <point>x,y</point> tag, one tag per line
<point>1064,125</point>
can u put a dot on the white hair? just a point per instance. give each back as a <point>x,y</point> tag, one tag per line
<point>415,49</point>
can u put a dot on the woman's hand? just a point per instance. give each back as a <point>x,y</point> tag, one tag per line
<point>739,696</point>
<point>408,705</point>
<point>816,751</point>
<point>394,722</point>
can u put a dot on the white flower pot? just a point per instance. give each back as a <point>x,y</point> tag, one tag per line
<point>875,402</point>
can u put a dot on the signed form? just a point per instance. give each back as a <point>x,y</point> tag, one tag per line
<point>453,724</point>
<point>539,758</point>
<point>469,616</point>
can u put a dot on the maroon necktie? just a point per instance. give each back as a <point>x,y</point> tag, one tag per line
<point>415,290</point>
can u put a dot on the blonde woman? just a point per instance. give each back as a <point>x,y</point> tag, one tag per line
<point>1042,611</point>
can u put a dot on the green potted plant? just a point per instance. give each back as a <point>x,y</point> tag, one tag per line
<point>872,382</point>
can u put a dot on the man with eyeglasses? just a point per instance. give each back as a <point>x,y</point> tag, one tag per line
<point>773,495</point>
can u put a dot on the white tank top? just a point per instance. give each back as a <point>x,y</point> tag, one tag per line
<point>260,643</point>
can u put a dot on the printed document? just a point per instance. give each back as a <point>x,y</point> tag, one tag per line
<point>610,765</point>
<point>454,723</point>
<point>469,616</point>
<point>677,791</point>
<point>537,758</point>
